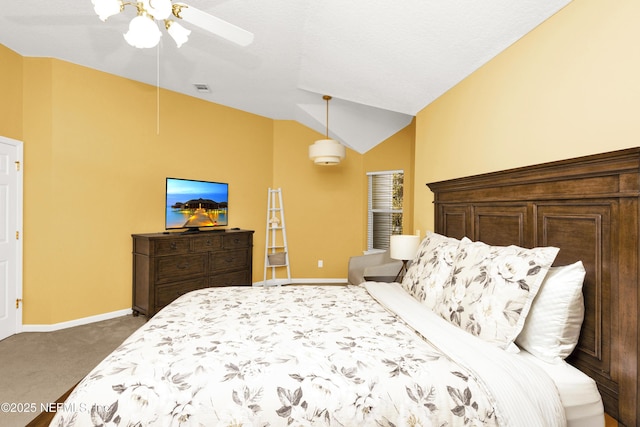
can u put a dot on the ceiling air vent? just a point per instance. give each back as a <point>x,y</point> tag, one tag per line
<point>202,88</point>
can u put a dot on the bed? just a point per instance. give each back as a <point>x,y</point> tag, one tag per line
<point>308,355</point>
<point>428,351</point>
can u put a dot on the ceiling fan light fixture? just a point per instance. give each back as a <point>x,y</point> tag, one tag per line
<point>178,33</point>
<point>143,32</point>
<point>106,8</point>
<point>143,35</point>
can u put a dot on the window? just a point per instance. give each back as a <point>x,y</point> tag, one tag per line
<point>385,207</point>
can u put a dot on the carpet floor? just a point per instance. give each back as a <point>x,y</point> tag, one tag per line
<point>37,368</point>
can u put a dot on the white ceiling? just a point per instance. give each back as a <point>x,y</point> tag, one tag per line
<point>381,61</point>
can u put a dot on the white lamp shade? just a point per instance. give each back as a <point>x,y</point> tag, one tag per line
<point>326,152</point>
<point>106,8</point>
<point>143,32</point>
<point>178,33</point>
<point>404,246</point>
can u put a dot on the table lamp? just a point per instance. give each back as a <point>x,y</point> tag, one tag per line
<point>403,247</point>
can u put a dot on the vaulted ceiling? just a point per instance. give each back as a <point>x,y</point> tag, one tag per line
<point>381,61</point>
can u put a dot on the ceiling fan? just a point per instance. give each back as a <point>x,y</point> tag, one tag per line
<point>143,30</point>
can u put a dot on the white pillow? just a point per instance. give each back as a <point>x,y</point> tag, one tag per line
<point>552,328</point>
<point>491,289</point>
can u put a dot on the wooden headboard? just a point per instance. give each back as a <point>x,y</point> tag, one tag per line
<point>588,207</point>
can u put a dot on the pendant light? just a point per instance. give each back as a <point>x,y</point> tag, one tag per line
<point>326,151</point>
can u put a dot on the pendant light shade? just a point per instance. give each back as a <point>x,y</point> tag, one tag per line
<point>327,151</point>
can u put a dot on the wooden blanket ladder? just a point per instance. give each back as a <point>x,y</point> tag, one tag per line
<point>276,254</point>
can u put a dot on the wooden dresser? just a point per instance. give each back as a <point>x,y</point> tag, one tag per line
<point>166,266</point>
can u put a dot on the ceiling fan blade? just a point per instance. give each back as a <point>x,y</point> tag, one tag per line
<point>215,25</point>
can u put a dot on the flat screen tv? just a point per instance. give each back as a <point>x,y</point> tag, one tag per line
<point>192,205</point>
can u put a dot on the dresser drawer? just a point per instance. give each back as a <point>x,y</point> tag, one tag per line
<point>233,241</point>
<point>236,278</point>
<point>171,247</point>
<point>228,260</point>
<point>167,293</point>
<point>181,266</point>
<point>206,243</point>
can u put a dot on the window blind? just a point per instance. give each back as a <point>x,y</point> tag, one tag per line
<point>384,207</point>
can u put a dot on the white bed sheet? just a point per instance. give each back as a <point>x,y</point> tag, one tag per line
<point>578,392</point>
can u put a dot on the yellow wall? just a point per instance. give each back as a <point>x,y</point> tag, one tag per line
<point>94,174</point>
<point>396,153</point>
<point>568,88</point>
<point>11,90</point>
<point>323,204</point>
<point>40,251</point>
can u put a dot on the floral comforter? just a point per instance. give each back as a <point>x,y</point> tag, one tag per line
<point>298,355</point>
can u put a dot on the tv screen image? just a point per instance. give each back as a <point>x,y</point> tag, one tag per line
<point>192,204</point>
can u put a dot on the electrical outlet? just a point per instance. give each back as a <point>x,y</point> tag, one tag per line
<point>320,263</point>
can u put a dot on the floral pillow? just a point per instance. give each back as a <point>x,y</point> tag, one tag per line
<point>431,268</point>
<point>491,289</point>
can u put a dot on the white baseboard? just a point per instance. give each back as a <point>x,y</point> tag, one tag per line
<point>300,282</point>
<point>77,322</point>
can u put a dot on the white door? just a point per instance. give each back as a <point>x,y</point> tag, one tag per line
<point>10,236</point>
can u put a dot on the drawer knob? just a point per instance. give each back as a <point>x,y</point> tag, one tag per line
<point>183,266</point>
<point>173,246</point>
